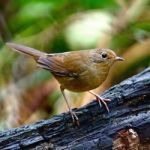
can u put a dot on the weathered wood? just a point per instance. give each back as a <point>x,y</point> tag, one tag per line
<point>130,108</point>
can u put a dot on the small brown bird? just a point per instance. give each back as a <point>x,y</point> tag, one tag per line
<point>77,71</point>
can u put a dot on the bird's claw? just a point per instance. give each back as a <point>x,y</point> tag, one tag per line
<point>104,101</point>
<point>75,119</point>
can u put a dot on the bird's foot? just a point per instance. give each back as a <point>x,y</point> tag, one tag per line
<point>75,119</point>
<point>102,101</point>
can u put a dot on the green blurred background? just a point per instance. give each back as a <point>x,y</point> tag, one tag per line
<point>29,94</point>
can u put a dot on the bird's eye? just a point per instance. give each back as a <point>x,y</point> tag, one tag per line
<point>104,55</point>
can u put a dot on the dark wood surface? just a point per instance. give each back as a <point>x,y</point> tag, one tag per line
<point>129,108</point>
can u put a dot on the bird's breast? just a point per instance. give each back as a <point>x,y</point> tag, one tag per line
<point>89,79</point>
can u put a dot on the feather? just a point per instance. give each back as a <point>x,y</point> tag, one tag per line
<point>26,50</point>
<point>56,67</point>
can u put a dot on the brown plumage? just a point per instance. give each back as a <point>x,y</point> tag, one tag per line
<point>76,71</point>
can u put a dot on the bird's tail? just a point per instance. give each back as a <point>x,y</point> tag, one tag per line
<point>26,50</point>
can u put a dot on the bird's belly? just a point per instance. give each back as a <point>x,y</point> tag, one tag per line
<point>80,84</point>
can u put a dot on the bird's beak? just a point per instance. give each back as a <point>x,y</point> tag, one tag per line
<point>119,59</point>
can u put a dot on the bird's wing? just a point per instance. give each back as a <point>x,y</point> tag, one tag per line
<point>63,65</point>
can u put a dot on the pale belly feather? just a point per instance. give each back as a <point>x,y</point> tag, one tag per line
<point>85,82</point>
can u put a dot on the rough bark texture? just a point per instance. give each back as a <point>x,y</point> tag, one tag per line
<point>130,108</point>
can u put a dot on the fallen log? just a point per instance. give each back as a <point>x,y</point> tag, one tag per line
<point>127,124</point>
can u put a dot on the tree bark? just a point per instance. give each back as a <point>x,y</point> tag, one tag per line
<point>128,122</point>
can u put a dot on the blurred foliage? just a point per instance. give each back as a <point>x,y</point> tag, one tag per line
<point>28,93</point>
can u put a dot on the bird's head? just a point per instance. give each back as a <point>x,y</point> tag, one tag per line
<point>105,57</point>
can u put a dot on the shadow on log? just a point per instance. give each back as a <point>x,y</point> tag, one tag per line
<point>127,124</point>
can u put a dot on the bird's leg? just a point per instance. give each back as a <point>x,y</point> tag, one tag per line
<point>101,100</point>
<point>73,114</point>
